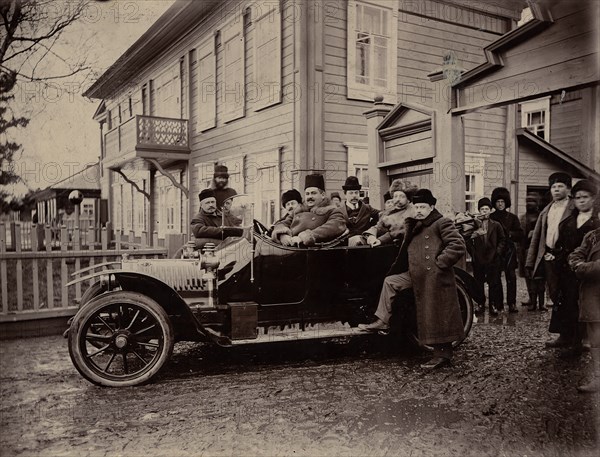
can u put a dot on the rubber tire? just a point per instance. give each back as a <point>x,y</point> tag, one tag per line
<point>468,303</point>
<point>92,292</point>
<point>107,299</point>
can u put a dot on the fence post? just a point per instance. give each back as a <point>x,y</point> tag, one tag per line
<point>49,278</point>
<point>64,272</point>
<point>76,247</point>
<point>35,246</point>
<point>19,267</point>
<point>131,239</point>
<point>91,235</point>
<point>3,273</point>
<point>104,240</point>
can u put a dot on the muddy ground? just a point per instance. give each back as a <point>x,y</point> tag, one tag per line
<point>505,395</point>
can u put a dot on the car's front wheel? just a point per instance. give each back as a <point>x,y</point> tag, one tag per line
<point>120,339</point>
<point>466,312</point>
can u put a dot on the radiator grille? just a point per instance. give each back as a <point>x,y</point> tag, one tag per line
<point>178,274</point>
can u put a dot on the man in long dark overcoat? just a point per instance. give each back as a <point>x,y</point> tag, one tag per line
<point>431,247</point>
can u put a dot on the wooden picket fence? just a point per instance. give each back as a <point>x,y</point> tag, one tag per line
<point>34,271</point>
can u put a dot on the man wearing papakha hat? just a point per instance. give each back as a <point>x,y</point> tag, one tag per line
<point>514,234</point>
<point>431,247</point>
<point>314,221</point>
<point>290,199</point>
<point>359,216</point>
<point>541,255</point>
<point>210,223</point>
<point>220,185</point>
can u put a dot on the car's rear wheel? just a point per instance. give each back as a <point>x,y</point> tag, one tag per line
<point>466,312</point>
<point>134,333</point>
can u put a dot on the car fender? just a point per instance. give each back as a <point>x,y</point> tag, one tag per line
<point>470,285</point>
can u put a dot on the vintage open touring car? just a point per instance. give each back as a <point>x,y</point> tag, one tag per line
<point>244,291</point>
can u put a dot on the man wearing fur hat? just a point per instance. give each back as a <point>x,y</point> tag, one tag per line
<point>542,255</point>
<point>210,223</point>
<point>391,221</point>
<point>359,216</point>
<point>220,185</point>
<point>314,221</point>
<point>514,234</point>
<point>486,246</point>
<point>431,247</point>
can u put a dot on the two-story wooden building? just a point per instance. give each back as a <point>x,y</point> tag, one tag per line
<point>278,89</point>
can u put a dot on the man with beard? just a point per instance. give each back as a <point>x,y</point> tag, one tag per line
<point>514,235</point>
<point>314,221</point>
<point>220,185</point>
<point>431,247</point>
<point>209,223</point>
<point>391,222</point>
<point>541,257</point>
<point>359,216</point>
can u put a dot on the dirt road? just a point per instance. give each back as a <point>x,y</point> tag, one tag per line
<point>505,395</point>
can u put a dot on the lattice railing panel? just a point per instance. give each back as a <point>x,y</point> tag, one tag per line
<point>162,132</point>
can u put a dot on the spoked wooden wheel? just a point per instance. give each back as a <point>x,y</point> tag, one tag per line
<point>466,312</point>
<point>120,339</point>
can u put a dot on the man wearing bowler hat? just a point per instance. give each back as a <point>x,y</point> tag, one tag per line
<point>314,221</point>
<point>431,247</point>
<point>359,216</point>
<point>541,257</point>
<point>220,185</point>
<point>209,223</point>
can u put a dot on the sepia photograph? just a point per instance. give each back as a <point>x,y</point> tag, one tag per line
<point>308,228</point>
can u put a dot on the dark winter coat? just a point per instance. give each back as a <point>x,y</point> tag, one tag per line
<point>367,217</point>
<point>514,235</point>
<point>206,225</point>
<point>318,224</point>
<point>528,221</point>
<point>537,247</point>
<point>588,273</point>
<point>489,248</point>
<point>570,237</point>
<point>431,248</point>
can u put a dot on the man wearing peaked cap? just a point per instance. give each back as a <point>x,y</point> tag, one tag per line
<point>431,247</point>
<point>542,254</point>
<point>359,216</point>
<point>209,224</point>
<point>501,202</point>
<point>314,221</point>
<point>220,185</point>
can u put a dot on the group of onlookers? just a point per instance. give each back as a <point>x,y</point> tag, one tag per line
<point>558,246</point>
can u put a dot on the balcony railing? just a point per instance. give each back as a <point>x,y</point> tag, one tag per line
<point>142,134</point>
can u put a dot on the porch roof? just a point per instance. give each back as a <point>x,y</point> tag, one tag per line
<point>530,137</point>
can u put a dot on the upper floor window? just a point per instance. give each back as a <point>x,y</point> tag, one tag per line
<point>358,165</point>
<point>372,49</point>
<point>207,88</point>
<point>233,90</point>
<point>267,54</point>
<point>535,116</point>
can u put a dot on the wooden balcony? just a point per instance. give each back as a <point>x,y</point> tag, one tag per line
<point>147,137</point>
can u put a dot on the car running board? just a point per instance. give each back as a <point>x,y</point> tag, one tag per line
<point>291,333</point>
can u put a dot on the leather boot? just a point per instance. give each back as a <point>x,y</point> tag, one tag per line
<point>594,384</point>
<point>541,301</point>
<point>493,310</point>
<point>512,308</point>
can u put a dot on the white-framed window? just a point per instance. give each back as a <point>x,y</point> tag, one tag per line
<point>358,165</point>
<point>168,93</point>
<point>233,91</point>
<point>264,182</point>
<point>207,88</point>
<point>474,184</point>
<point>535,117</point>
<point>169,204</point>
<point>117,190</point>
<point>267,53</point>
<point>372,49</point>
